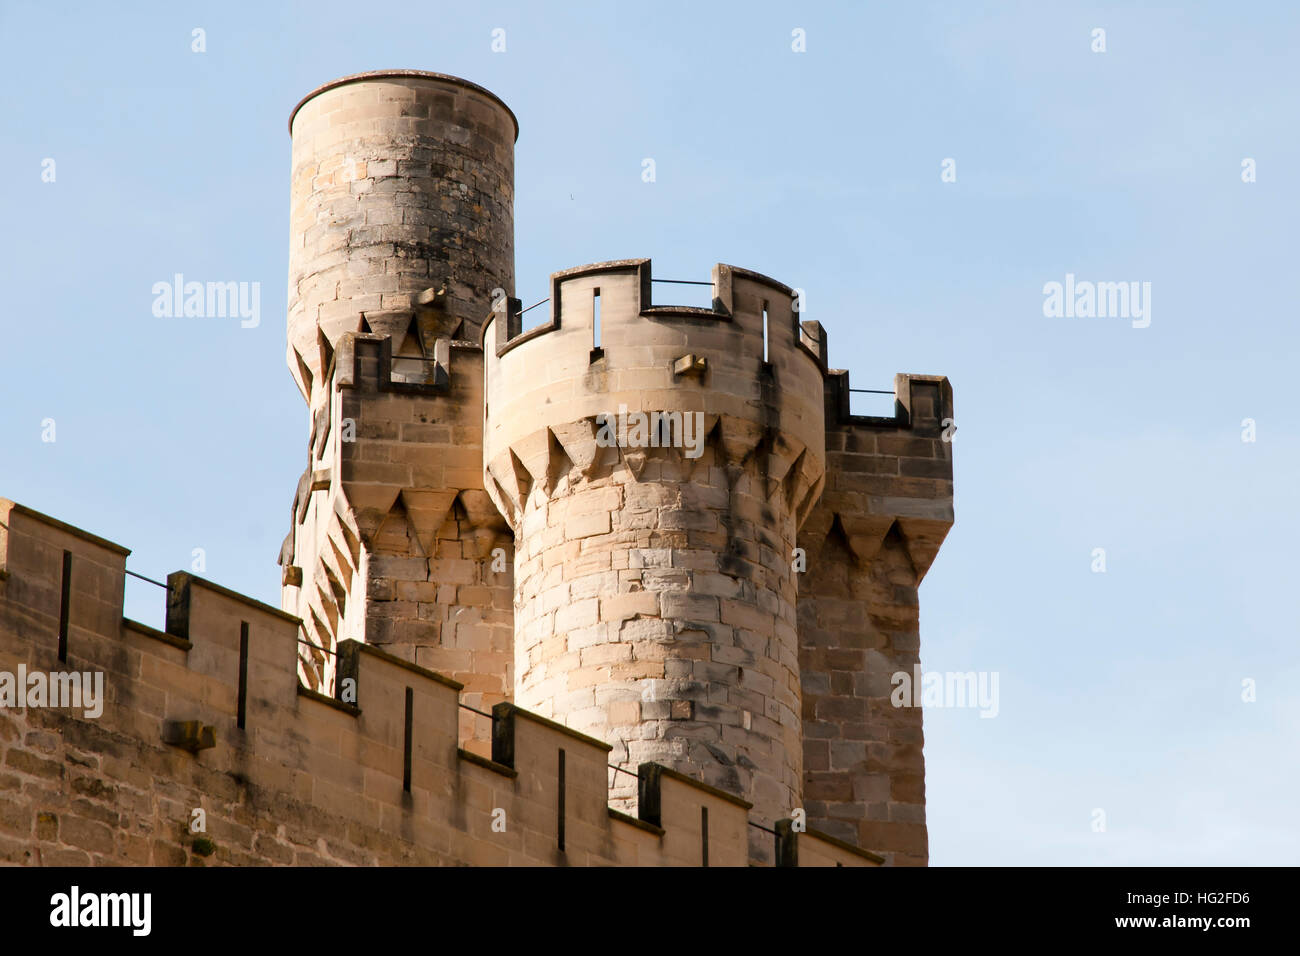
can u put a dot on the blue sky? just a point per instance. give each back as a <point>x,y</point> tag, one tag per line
<point>1118,690</point>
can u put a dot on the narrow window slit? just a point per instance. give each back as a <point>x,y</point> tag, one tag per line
<point>406,746</point>
<point>65,605</point>
<point>704,836</point>
<point>765,354</point>
<point>242,713</point>
<point>560,803</point>
<point>596,351</point>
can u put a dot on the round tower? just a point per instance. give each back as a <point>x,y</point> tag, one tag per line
<point>401,240</point>
<point>655,463</point>
<point>403,196</point>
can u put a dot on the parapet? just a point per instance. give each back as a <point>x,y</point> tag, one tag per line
<point>210,715</point>
<point>744,364</point>
<point>887,472</point>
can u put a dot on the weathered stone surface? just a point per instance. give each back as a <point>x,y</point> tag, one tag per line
<point>712,599</point>
<point>700,522</point>
<point>401,239</point>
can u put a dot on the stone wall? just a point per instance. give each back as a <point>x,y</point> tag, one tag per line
<point>286,775</point>
<point>394,542</point>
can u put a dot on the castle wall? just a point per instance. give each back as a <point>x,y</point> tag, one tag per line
<point>300,778</point>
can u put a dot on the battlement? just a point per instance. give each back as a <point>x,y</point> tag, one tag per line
<point>210,714</point>
<point>634,280</point>
<point>888,473</point>
<point>543,595</point>
<point>390,524</point>
<point>749,341</point>
<point>407,417</point>
<point>744,365</point>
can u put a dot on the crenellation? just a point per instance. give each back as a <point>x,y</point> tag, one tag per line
<point>627,593</point>
<point>666,504</point>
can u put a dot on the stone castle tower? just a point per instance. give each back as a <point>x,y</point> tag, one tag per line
<point>401,232</point>
<point>726,594</point>
<point>626,588</point>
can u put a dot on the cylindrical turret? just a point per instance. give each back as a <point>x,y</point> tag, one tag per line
<point>401,235</point>
<point>403,181</point>
<point>654,589</point>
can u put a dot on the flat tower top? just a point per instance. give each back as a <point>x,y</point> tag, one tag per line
<point>414,74</point>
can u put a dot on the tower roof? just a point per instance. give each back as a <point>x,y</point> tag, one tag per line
<point>414,74</point>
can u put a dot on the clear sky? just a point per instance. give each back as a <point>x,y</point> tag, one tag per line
<point>1119,691</point>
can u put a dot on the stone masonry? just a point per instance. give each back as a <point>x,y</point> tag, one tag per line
<point>655,595</point>
<point>402,238</point>
<point>211,715</point>
<point>501,591</point>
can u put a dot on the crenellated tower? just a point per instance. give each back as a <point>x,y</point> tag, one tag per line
<point>655,596</point>
<point>884,512</point>
<point>656,525</point>
<point>643,538</point>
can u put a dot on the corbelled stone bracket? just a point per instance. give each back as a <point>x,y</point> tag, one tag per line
<point>189,735</point>
<point>691,365</point>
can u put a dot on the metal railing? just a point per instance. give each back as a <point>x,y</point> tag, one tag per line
<point>475,710</point>
<point>668,281</point>
<point>636,776</point>
<point>478,713</point>
<point>325,673</point>
<point>618,769</point>
<point>150,580</point>
<point>136,598</point>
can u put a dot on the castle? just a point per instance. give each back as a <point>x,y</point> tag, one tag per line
<point>627,587</point>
